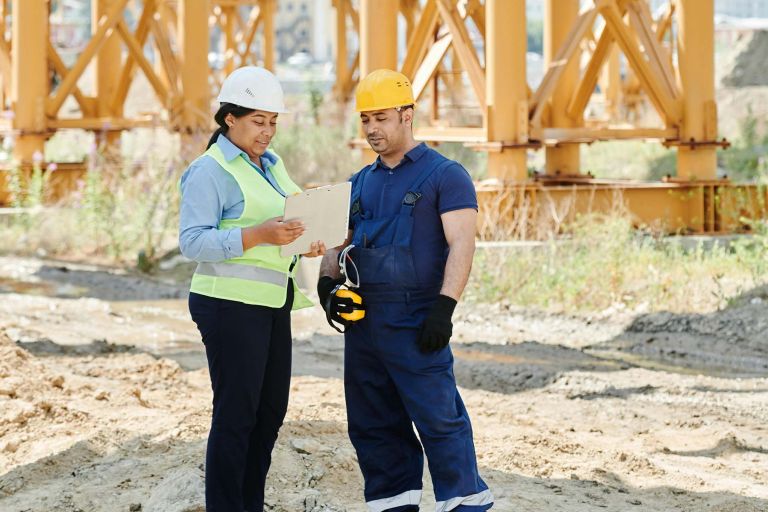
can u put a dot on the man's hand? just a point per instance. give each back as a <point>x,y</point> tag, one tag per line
<point>315,250</point>
<point>437,328</point>
<point>334,305</point>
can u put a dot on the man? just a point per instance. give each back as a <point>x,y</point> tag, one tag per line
<point>412,226</point>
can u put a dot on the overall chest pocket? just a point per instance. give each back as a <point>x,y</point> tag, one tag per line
<point>376,266</point>
<point>382,252</point>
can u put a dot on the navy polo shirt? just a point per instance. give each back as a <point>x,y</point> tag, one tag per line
<point>447,189</point>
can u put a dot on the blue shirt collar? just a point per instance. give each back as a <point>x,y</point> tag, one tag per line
<point>412,156</point>
<point>230,151</point>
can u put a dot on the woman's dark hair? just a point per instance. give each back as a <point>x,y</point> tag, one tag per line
<point>221,114</point>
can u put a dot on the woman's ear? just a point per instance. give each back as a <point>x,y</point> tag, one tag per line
<point>229,119</point>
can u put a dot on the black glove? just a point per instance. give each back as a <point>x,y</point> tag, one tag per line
<point>332,304</point>
<point>437,328</point>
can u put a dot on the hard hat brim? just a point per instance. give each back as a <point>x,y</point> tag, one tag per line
<point>384,107</point>
<point>254,107</point>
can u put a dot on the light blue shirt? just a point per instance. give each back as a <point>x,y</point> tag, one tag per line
<point>210,194</point>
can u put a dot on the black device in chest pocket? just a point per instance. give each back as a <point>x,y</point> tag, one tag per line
<point>411,198</point>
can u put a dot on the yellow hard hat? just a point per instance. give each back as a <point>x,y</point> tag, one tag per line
<point>383,89</point>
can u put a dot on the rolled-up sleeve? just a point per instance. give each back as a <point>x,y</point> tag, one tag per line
<point>202,202</point>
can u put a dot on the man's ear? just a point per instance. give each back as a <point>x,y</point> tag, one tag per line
<point>408,117</point>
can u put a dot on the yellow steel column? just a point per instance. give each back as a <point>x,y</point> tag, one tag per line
<point>612,83</point>
<point>378,35</point>
<point>506,90</point>
<point>107,65</point>
<point>231,13</point>
<point>378,42</point>
<point>341,49</point>
<point>268,7</point>
<point>5,84</point>
<point>695,40</point>
<point>30,85</point>
<point>557,24</point>
<point>192,33</point>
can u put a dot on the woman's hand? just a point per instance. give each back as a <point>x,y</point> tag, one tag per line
<point>315,250</point>
<point>273,231</point>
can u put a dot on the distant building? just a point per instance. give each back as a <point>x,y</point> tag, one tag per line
<point>735,8</point>
<point>309,26</point>
<point>742,8</point>
<point>534,9</point>
<point>304,26</point>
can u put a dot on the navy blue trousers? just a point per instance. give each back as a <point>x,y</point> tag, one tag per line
<point>249,359</point>
<point>391,386</point>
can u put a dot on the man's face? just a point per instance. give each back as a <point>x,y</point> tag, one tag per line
<point>385,130</point>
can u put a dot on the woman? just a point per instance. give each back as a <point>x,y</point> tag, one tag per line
<point>242,291</point>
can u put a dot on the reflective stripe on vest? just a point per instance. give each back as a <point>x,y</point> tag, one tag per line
<point>247,272</point>
<point>260,276</point>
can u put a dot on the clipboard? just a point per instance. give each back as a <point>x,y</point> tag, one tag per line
<point>325,213</point>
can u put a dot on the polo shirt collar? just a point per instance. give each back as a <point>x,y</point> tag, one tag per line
<point>230,151</point>
<point>413,155</point>
<point>416,152</point>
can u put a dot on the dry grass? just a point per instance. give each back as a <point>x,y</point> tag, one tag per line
<point>601,262</point>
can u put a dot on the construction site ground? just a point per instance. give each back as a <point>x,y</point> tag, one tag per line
<point>105,403</point>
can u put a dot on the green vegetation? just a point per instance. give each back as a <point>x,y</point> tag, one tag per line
<point>315,154</point>
<point>603,263</point>
<point>746,159</point>
<point>125,211</point>
<point>124,208</point>
<point>634,159</point>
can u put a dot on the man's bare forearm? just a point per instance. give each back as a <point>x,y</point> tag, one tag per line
<point>459,228</point>
<point>329,266</point>
<point>457,268</point>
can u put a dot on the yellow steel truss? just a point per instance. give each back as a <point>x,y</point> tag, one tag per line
<point>626,30</point>
<point>446,42</point>
<point>177,32</point>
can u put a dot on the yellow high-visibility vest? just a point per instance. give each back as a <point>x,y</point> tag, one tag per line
<point>260,276</point>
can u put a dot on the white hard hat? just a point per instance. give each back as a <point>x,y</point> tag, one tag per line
<point>253,87</point>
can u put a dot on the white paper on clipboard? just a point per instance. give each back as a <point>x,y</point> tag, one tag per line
<point>325,213</point>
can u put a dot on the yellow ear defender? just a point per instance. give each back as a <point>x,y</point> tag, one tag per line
<point>344,291</point>
<point>357,314</point>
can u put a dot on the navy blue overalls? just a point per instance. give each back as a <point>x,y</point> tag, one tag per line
<point>390,385</point>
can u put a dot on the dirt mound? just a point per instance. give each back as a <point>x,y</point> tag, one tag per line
<point>28,392</point>
<point>651,412</point>
<point>746,65</point>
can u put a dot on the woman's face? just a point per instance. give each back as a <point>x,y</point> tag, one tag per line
<point>253,132</point>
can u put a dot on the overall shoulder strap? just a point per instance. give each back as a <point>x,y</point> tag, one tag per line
<point>414,191</point>
<point>356,207</point>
